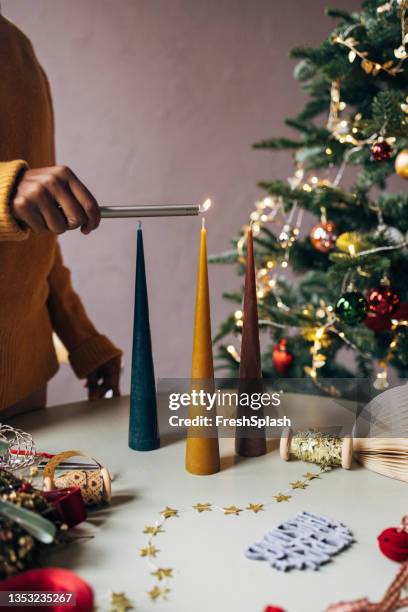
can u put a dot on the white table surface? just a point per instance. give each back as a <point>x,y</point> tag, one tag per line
<point>207,550</point>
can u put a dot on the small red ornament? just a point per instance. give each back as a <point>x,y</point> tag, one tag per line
<point>377,322</point>
<point>282,359</point>
<point>393,542</point>
<point>383,300</point>
<point>381,151</point>
<point>273,609</point>
<point>323,236</point>
<point>402,312</point>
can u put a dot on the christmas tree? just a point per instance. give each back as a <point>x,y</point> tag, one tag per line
<point>344,284</point>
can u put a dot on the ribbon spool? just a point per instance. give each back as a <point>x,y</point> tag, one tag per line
<point>95,485</point>
<point>316,447</point>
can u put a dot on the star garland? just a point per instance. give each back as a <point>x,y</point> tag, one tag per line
<point>164,575</point>
<point>120,603</point>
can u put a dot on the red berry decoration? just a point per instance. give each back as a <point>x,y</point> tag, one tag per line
<point>381,151</point>
<point>323,236</point>
<point>393,542</point>
<point>282,359</point>
<point>383,300</point>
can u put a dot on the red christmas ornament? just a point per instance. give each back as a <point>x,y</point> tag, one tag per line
<point>323,236</point>
<point>383,300</point>
<point>282,359</point>
<point>393,542</point>
<point>377,322</point>
<point>52,579</point>
<point>402,312</point>
<point>381,151</point>
<point>273,609</point>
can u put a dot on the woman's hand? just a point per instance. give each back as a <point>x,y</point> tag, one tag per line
<point>54,200</point>
<point>104,379</point>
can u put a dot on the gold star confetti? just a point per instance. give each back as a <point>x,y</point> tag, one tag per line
<point>169,512</point>
<point>255,507</point>
<point>119,603</point>
<point>157,592</point>
<point>163,572</point>
<point>281,497</point>
<point>149,551</point>
<point>232,510</point>
<point>153,530</point>
<point>202,507</point>
<point>298,484</point>
<point>310,475</point>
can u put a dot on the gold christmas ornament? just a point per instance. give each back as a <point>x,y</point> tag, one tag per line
<point>401,164</point>
<point>351,242</point>
<point>323,236</point>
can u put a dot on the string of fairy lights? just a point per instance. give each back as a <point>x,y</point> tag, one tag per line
<point>322,320</point>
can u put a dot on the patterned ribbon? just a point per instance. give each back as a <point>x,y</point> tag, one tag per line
<point>95,485</point>
<point>390,602</point>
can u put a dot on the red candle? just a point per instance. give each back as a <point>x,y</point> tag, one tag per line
<point>251,441</point>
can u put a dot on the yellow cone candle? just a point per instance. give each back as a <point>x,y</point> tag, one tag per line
<point>202,452</point>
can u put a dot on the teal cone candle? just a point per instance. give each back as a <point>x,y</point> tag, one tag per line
<point>143,430</point>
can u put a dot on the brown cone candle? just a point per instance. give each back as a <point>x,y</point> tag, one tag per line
<point>251,440</point>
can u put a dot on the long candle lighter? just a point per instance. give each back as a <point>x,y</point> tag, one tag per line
<point>154,210</point>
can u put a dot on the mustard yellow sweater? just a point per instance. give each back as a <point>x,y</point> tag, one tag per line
<point>36,296</point>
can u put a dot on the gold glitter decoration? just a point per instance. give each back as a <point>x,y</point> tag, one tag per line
<point>169,512</point>
<point>149,551</point>
<point>311,475</point>
<point>156,593</point>
<point>255,508</point>
<point>203,507</point>
<point>317,447</point>
<point>281,497</point>
<point>232,510</point>
<point>119,603</point>
<point>163,572</point>
<point>153,530</point>
<point>298,484</point>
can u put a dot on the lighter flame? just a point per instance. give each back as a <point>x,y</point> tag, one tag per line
<point>205,206</point>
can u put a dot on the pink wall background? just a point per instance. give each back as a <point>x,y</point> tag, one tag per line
<point>159,101</point>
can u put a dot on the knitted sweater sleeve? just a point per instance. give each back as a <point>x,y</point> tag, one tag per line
<point>10,173</point>
<point>87,348</point>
